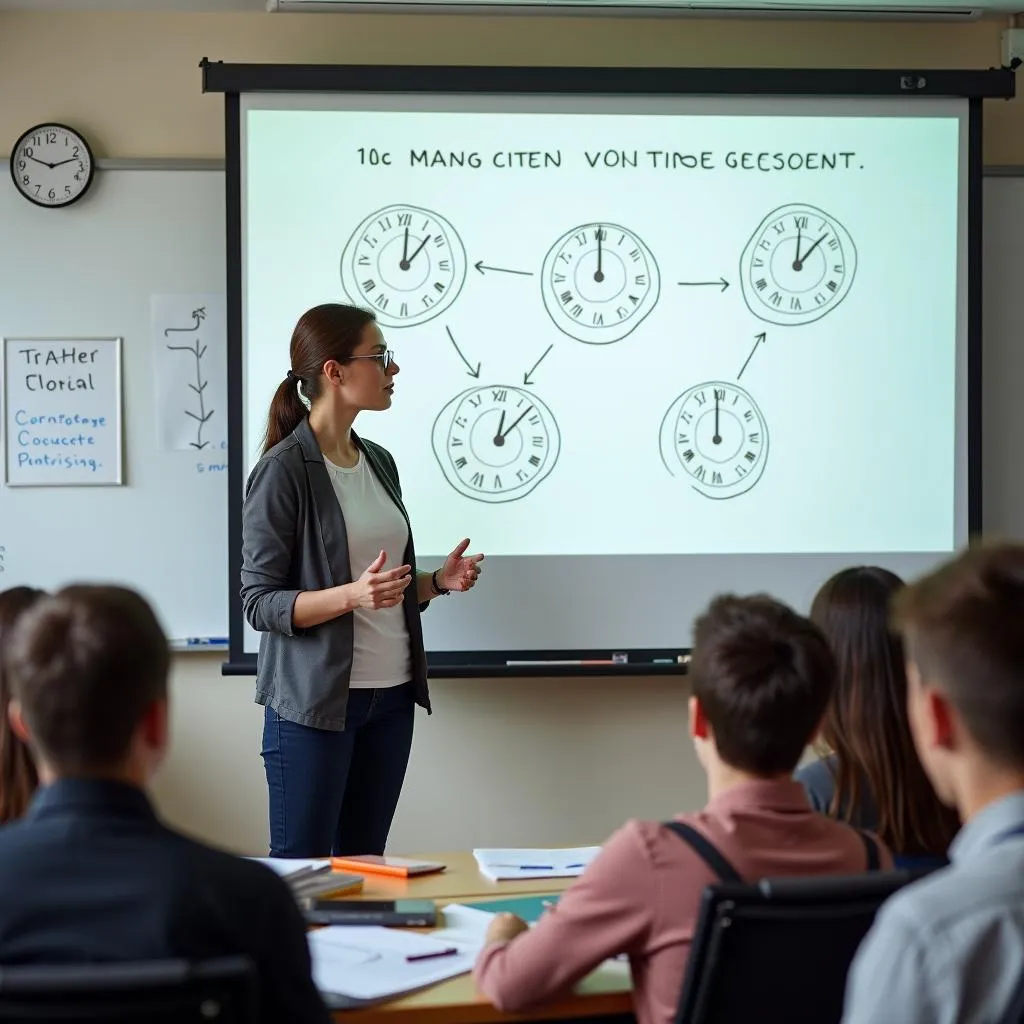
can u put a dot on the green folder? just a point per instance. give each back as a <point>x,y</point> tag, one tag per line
<point>529,908</point>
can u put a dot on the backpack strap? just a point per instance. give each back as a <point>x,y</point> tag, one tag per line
<point>706,850</point>
<point>871,849</point>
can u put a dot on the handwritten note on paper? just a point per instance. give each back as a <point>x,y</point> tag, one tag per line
<point>62,411</point>
<point>190,364</point>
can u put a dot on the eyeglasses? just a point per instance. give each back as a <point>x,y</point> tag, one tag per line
<point>384,358</point>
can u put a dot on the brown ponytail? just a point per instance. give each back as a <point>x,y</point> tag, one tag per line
<point>326,332</point>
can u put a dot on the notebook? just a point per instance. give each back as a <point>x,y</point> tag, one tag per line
<point>401,867</point>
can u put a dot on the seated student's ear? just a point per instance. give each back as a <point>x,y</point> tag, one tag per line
<point>699,729</point>
<point>17,720</point>
<point>155,725</point>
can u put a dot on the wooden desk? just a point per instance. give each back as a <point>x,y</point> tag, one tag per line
<point>460,880</point>
<point>605,995</point>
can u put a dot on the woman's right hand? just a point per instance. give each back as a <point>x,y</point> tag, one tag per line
<point>376,589</point>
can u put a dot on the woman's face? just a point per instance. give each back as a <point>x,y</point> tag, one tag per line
<point>367,380</point>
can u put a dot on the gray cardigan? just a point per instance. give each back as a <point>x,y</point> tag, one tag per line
<point>293,539</point>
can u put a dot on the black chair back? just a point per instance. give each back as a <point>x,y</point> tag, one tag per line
<point>779,948</point>
<point>216,991</point>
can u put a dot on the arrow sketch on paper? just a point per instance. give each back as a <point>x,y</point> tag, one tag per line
<point>189,360</point>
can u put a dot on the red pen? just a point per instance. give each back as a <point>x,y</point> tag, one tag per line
<point>451,951</point>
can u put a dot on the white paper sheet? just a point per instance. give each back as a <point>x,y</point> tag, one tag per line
<point>285,866</point>
<point>370,962</point>
<point>469,924</point>
<point>189,335</point>
<point>499,865</point>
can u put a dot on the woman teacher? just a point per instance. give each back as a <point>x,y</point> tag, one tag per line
<point>329,578</point>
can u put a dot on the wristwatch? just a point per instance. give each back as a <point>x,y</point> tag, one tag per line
<point>437,588</point>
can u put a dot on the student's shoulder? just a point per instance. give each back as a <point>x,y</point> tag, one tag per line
<point>227,870</point>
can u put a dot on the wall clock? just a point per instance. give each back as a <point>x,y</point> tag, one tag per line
<point>52,165</point>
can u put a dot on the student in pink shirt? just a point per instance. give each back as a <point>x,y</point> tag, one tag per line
<point>761,678</point>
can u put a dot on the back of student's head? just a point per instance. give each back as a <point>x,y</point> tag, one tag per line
<point>18,778</point>
<point>963,628</point>
<point>763,676</point>
<point>866,724</point>
<point>85,667</point>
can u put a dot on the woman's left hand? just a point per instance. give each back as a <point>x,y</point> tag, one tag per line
<point>460,571</point>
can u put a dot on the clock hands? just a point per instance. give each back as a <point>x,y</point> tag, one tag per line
<point>599,273</point>
<point>499,437</point>
<point>798,263</point>
<point>717,438</point>
<point>405,263</point>
<point>59,163</point>
<point>513,426</point>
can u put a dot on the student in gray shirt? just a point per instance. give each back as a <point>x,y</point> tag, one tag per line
<point>950,948</point>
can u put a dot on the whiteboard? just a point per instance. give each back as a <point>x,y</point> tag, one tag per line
<point>89,271</point>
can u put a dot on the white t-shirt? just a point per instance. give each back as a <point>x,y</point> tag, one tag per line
<point>374,523</point>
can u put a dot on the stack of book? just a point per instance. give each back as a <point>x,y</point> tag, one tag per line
<point>312,879</point>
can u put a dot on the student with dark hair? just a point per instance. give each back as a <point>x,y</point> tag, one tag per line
<point>950,948</point>
<point>90,874</point>
<point>329,577</point>
<point>761,677</point>
<point>873,778</point>
<point>18,779</point>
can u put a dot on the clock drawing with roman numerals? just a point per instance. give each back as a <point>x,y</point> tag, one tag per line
<point>495,443</point>
<point>599,282</point>
<point>798,265</point>
<point>715,437</point>
<point>405,263</point>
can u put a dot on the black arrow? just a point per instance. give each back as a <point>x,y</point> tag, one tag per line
<point>526,376</point>
<point>481,266</point>
<point>757,341</point>
<point>721,284</point>
<point>469,365</point>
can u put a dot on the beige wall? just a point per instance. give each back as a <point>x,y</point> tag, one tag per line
<point>524,761</point>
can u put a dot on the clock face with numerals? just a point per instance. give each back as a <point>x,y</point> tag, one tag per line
<point>52,165</point>
<point>798,265</point>
<point>714,436</point>
<point>495,443</point>
<point>404,262</point>
<point>599,282</point>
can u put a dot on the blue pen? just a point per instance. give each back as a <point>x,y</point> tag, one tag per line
<point>206,641</point>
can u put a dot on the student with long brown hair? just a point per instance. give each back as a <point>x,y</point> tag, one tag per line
<point>872,777</point>
<point>18,778</point>
<point>329,577</point>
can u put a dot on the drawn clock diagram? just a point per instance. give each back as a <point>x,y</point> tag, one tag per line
<point>495,443</point>
<point>406,263</point>
<point>599,282</point>
<point>715,435</point>
<point>798,266</point>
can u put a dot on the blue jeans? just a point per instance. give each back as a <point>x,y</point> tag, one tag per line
<point>336,792</point>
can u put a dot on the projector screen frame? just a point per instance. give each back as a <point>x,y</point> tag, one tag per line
<point>235,79</point>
